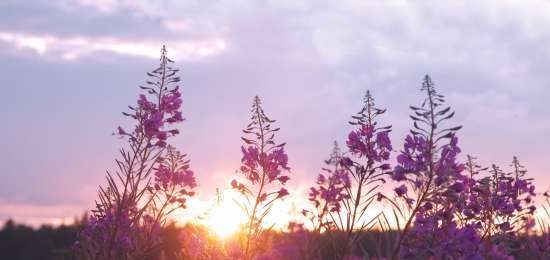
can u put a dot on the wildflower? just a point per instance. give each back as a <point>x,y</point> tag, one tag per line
<point>401,190</point>
<point>238,186</point>
<point>457,187</point>
<point>132,208</point>
<point>331,190</point>
<point>282,192</point>
<point>399,174</point>
<point>283,179</point>
<point>263,165</point>
<point>351,181</point>
<point>428,165</point>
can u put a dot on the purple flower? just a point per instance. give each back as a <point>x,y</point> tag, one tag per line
<point>457,187</point>
<point>128,217</point>
<point>263,164</point>
<point>282,192</point>
<point>399,174</point>
<point>401,190</point>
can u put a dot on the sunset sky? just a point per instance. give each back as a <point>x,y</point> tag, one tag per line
<point>69,68</point>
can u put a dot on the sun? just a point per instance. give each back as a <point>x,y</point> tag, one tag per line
<point>225,218</point>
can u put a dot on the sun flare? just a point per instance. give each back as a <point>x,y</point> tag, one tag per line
<point>225,218</point>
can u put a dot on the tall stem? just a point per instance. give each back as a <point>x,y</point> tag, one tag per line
<point>262,183</point>
<point>426,189</point>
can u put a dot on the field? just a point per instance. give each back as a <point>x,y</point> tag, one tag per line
<point>439,208</point>
<point>274,130</point>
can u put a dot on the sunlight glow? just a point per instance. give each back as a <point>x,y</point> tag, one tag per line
<point>225,218</point>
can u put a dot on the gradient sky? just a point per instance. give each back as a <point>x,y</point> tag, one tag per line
<point>69,68</point>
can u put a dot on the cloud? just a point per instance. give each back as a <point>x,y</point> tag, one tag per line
<point>70,48</point>
<point>71,19</point>
<point>72,29</point>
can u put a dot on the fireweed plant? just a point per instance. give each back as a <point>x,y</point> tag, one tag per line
<point>342,196</point>
<point>264,163</point>
<point>541,244</point>
<point>325,198</point>
<point>152,180</point>
<point>367,162</point>
<point>502,206</point>
<point>432,185</point>
<point>444,209</point>
<point>455,210</point>
<point>480,195</point>
<point>327,194</point>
